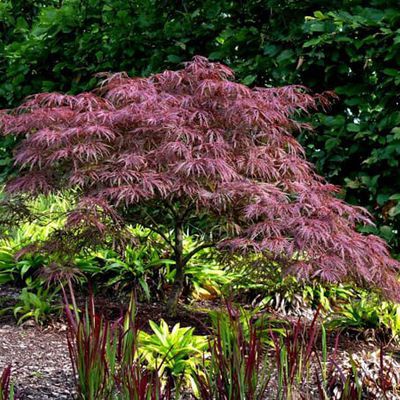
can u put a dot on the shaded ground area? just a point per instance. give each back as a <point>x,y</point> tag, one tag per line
<point>40,362</point>
<point>39,357</point>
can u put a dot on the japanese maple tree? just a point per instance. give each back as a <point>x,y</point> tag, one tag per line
<point>193,151</point>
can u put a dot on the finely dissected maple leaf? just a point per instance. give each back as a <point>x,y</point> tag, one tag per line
<point>193,150</point>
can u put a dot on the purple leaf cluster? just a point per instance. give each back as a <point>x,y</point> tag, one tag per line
<point>194,136</point>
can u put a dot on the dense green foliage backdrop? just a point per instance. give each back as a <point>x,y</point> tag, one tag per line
<point>352,47</point>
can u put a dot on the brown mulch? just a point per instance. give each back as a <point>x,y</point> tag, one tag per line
<point>41,368</point>
<point>40,362</point>
<point>193,315</point>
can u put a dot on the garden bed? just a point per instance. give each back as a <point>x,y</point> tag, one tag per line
<point>41,366</point>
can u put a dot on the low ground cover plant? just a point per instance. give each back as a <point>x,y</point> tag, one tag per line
<point>175,353</point>
<point>368,311</point>
<point>39,306</point>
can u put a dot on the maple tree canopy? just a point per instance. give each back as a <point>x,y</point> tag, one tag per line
<point>195,144</point>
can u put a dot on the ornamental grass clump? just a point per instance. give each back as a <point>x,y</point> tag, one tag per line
<point>93,352</point>
<point>237,367</point>
<point>6,387</point>
<point>193,151</point>
<point>104,357</point>
<point>297,360</point>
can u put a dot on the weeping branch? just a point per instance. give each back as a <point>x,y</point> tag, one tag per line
<point>188,256</point>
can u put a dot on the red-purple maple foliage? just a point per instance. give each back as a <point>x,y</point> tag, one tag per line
<point>191,149</point>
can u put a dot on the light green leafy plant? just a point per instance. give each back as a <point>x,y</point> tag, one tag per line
<point>37,305</point>
<point>134,268</point>
<point>368,311</point>
<point>50,212</point>
<point>177,352</point>
<point>390,317</point>
<point>359,314</point>
<point>7,267</point>
<point>206,276</point>
<point>328,296</point>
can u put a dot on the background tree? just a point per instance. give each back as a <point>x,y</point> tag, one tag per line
<point>191,150</point>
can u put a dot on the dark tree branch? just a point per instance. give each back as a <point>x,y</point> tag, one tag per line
<point>189,208</point>
<point>139,220</point>
<point>188,256</point>
<point>171,208</point>
<point>162,234</point>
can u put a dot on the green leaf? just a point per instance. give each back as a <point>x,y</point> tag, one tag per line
<point>174,59</point>
<point>391,71</point>
<point>382,199</point>
<point>394,211</point>
<point>353,127</point>
<point>249,79</point>
<point>320,15</point>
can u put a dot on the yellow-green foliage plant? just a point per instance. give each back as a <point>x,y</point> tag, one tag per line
<point>175,353</point>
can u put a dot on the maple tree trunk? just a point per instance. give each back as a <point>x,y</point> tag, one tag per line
<point>177,287</point>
